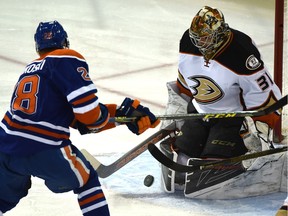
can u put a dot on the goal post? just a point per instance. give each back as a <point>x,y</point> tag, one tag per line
<point>280,63</point>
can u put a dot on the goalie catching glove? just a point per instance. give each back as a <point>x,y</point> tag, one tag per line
<point>145,119</point>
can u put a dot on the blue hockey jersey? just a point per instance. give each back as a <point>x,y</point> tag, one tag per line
<point>51,92</point>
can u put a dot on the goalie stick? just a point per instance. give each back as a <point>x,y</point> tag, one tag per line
<point>254,113</point>
<point>158,155</point>
<point>163,159</point>
<point>107,170</point>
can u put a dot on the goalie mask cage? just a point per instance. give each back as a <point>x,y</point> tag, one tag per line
<point>281,63</point>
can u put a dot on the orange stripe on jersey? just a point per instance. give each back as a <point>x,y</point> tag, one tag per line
<point>98,126</point>
<point>35,129</point>
<point>77,165</point>
<point>83,100</point>
<point>183,90</point>
<point>112,110</point>
<point>89,117</point>
<point>59,52</point>
<point>91,199</point>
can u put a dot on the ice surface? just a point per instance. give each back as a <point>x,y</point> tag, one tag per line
<point>132,50</point>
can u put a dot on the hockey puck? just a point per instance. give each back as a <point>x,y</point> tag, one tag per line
<point>148,181</point>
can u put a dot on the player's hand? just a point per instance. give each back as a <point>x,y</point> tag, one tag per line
<point>132,108</point>
<point>97,126</point>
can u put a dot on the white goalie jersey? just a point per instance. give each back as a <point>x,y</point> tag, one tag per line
<point>236,79</point>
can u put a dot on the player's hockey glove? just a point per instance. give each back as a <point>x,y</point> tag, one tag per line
<point>96,126</point>
<point>133,108</point>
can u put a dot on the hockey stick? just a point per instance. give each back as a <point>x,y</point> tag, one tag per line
<point>107,170</point>
<point>254,113</point>
<point>158,155</point>
<point>163,159</point>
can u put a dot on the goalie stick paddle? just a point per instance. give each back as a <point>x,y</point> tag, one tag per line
<point>254,113</point>
<point>107,170</point>
<point>158,155</point>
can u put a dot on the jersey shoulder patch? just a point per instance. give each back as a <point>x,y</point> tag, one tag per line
<point>241,56</point>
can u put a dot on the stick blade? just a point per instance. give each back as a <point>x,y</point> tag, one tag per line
<point>89,157</point>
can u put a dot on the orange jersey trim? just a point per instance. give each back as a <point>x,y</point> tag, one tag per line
<point>91,199</point>
<point>34,129</point>
<point>89,117</point>
<point>183,89</point>
<point>83,100</point>
<point>78,166</point>
<point>59,52</point>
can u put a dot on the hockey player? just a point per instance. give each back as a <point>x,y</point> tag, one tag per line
<point>53,93</point>
<point>219,70</point>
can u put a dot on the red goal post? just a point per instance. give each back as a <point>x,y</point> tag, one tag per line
<point>280,63</point>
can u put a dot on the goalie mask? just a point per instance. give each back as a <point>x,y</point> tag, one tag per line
<point>50,35</point>
<point>208,31</point>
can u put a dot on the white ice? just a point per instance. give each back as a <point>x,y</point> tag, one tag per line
<point>132,49</point>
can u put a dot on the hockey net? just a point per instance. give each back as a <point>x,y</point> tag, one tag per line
<point>281,34</point>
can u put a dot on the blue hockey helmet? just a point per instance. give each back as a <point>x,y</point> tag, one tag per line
<point>50,35</point>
